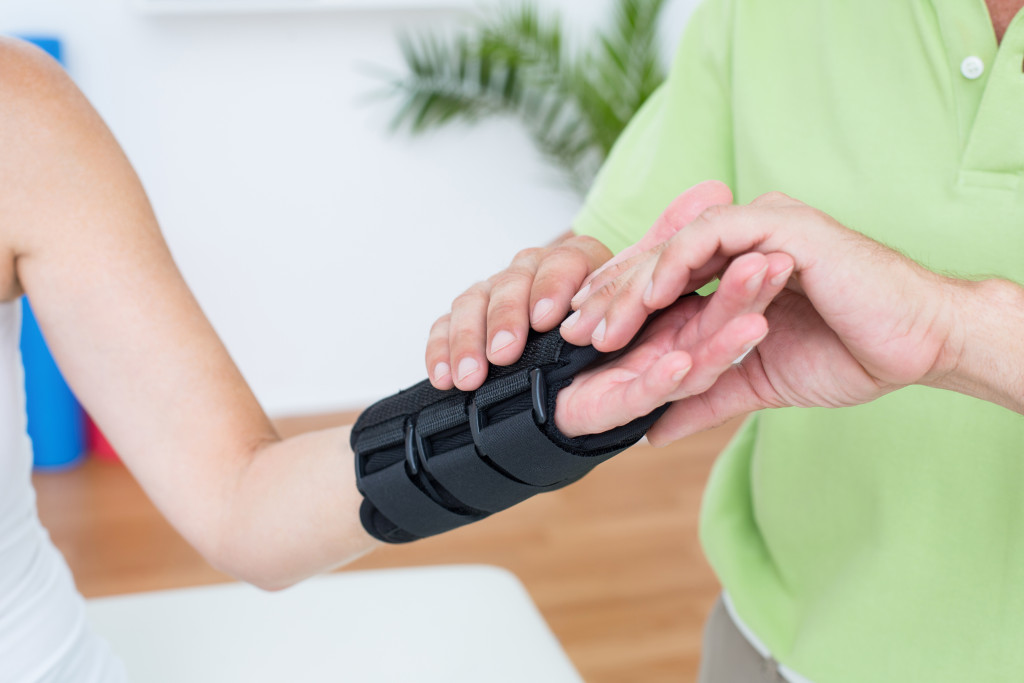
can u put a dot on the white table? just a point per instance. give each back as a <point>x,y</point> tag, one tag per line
<point>453,624</point>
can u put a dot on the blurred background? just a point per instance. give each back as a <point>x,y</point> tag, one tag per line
<point>320,243</point>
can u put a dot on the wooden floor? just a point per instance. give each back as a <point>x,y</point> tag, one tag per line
<point>612,562</point>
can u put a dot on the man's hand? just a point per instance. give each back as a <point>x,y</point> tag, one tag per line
<point>682,353</point>
<point>857,320</point>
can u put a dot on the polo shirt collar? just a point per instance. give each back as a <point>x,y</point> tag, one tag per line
<point>988,89</point>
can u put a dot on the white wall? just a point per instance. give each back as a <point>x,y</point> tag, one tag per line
<point>320,245</point>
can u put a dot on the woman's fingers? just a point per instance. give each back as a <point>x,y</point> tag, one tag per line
<point>654,387</point>
<point>508,317</point>
<point>613,395</point>
<point>439,368</point>
<point>560,276</point>
<point>466,327</point>
<point>490,321</point>
<point>649,376</point>
<point>534,291</point>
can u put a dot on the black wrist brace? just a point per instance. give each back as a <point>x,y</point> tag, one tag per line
<point>428,461</point>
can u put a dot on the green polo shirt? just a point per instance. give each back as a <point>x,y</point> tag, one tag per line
<point>883,542</point>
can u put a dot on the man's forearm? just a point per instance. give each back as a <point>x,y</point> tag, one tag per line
<point>984,351</point>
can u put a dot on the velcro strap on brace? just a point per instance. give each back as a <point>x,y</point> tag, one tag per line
<point>428,461</point>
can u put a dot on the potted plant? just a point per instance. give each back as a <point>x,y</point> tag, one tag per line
<point>515,61</point>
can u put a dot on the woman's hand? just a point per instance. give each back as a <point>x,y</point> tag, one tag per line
<point>490,321</point>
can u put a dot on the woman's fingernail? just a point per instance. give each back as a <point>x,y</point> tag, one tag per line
<point>541,310</point>
<point>748,348</point>
<point>582,294</point>
<point>756,280</point>
<point>680,374</point>
<point>599,331</point>
<point>441,370</point>
<point>743,356</point>
<point>782,277</point>
<point>501,340</point>
<point>571,320</point>
<point>467,366</point>
<point>649,292</point>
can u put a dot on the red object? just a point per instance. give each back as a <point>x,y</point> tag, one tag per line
<point>97,444</point>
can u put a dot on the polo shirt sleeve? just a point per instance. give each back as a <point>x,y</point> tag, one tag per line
<point>680,137</point>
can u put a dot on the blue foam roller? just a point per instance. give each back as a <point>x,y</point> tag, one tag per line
<point>51,45</point>
<point>56,423</point>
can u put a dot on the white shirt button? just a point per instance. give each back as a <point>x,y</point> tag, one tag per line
<point>972,67</point>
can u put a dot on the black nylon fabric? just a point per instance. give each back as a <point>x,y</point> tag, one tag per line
<point>399,498</point>
<point>541,350</point>
<point>468,476</point>
<point>471,480</point>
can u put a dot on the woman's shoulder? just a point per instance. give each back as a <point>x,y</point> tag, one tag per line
<point>26,71</point>
<point>44,121</point>
<point>36,94</point>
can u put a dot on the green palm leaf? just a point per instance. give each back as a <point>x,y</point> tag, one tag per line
<point>515,63</point>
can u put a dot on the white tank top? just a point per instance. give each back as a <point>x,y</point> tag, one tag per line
<point>43,633</point>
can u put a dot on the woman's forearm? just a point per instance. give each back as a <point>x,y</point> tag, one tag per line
<point>293,512</point>
<point>78,236</point>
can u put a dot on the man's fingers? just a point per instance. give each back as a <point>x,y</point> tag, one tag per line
<point>749,285</point>
<point>730,397</point>
<point>664,329</point>
<point>609,274</point>
<point>683,209</point>
<point>610,316</point>
<point>715,356</point>
<point>738,293</point>
<point>780,270</point>
<point>657,279</point>
<point>721,231</point>
<point>613,314</point>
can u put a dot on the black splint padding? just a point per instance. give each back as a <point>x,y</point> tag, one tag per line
<point>428,461</point>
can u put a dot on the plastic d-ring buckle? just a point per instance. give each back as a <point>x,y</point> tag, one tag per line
<point>411,461</point>
<point>473,416</point>
<point>539,396</point>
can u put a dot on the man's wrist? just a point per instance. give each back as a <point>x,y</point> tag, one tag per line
<point>981,353</point>
<point>950,329</point>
